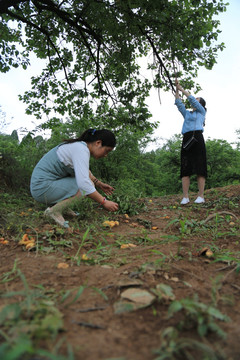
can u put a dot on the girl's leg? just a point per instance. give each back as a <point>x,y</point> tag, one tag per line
<point>201,185</point>
<point>56,211</point>
<point>185,185</point>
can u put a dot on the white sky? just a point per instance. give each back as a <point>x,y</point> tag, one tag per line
<point>220,88</point>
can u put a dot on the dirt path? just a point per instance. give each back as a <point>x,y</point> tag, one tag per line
<point>178,253</point>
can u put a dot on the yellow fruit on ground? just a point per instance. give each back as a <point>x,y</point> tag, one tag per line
<point>110,223</point>
<point>3,241</point>
<point>62,266</point>
<point>30,245</point>
<point>24,240</point>
<point>128,246</point>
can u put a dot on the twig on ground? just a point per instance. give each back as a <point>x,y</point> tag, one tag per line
<point>92,309</point>
<point>230,272</point>
<point>186,272</point>
<point>211,216</point>
<point>93,326</point>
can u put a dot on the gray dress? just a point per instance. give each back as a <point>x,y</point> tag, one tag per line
<point>51,180</point>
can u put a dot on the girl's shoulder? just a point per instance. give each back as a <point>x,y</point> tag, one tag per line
<point>79,147</point>
<point>75,144</point>
<point>73,148</point>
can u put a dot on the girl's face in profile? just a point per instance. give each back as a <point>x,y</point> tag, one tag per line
<point>98,151</point>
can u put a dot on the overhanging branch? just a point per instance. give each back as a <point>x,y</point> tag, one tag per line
<point>44,32</point>
<point>5,4</point>
<point>160,61</point>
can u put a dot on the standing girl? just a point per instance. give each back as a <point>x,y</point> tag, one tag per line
<point>193,161</point>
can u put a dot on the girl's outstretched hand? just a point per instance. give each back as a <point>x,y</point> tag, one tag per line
<point>178,86</point>
<point>107,189</point>
<point>110,205</point>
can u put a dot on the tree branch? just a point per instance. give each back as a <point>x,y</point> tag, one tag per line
<point>5,4</point>
<point>161,64</point>
<point>160,60</point>
<point>44,32</point>
<point>50,6</point>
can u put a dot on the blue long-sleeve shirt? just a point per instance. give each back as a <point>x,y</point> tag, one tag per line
<point>193,120</point>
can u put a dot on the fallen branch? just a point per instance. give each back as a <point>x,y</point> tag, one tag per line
<point>186,272</point>
<point>92,309</point>
<point>230,272</point>
<point>92,326</point>
<point>219,213</point>
<point>235,286</point>
<point>224,267</point>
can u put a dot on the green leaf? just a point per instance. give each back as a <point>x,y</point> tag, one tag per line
<point>174,307</point>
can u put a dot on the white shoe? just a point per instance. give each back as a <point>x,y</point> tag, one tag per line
<point>184,201</point>
<point>199,200</point>
<point>57,218</point>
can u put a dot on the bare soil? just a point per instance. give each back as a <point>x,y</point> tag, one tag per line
<point>172,244</point>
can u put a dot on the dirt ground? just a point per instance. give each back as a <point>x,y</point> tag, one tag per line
<point>194,249</point>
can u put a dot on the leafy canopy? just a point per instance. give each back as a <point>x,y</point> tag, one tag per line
<point>91,51</point>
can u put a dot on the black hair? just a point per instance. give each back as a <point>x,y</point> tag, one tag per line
<point>91,135</point>
<point>203,103</point>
